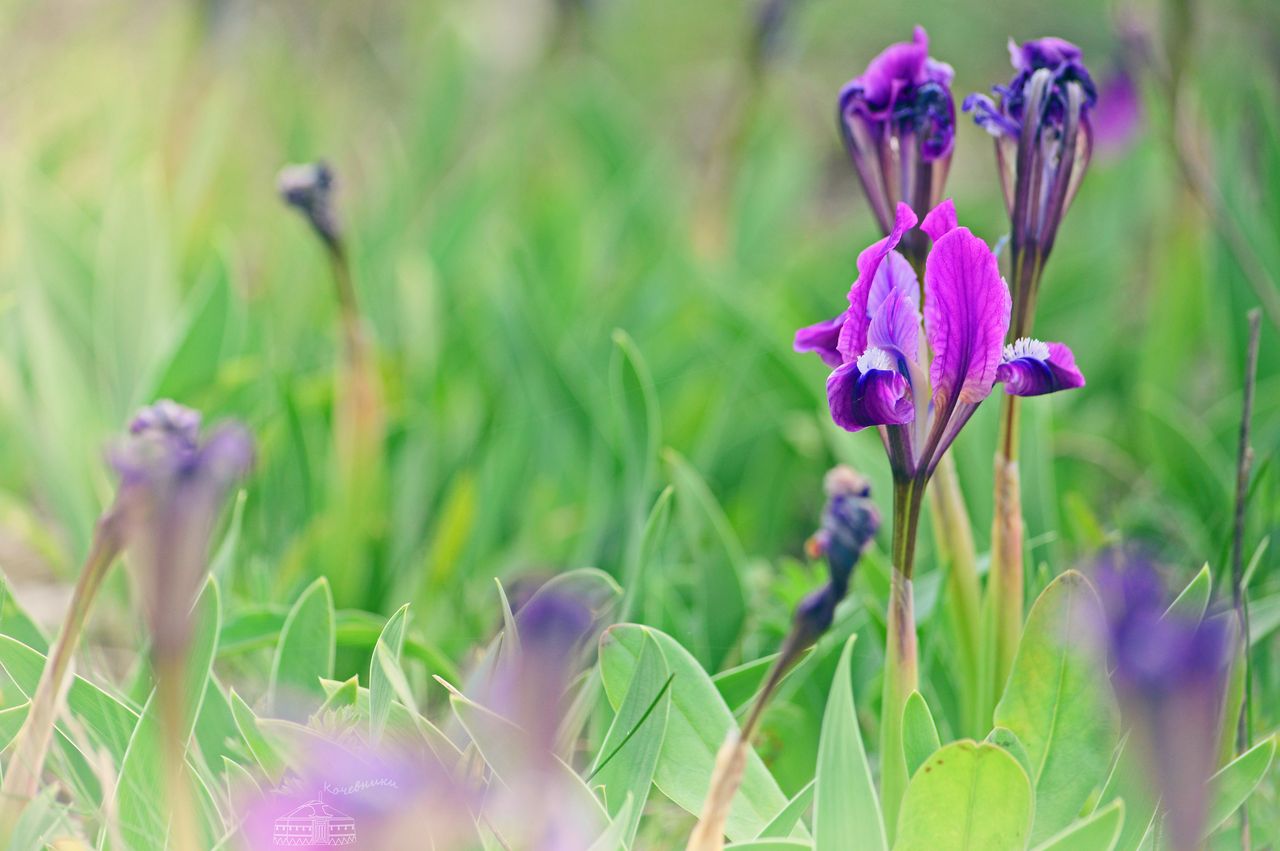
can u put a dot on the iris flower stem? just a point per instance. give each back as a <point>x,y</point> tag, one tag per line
<point>1002,612</point>
<point>21,781</point>
<point>170,685</point>
<point>901,669</point>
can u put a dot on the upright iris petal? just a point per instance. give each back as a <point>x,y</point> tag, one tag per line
<point>1032,368</point>
<point>966,317</point>
<point>853,335</point>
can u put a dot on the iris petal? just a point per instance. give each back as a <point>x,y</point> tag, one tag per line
<point>853,335</point>
<point>940,221</point>
<point>966,317</point>
<point>860,400</point>
<point>821,338</point>
<point>1029,375</point>
<point>896,327</point>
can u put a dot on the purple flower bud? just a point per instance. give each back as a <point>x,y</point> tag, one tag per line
<point>172,487</point>
<point>1043,139</point>
<point>850,521</point>
<point>309,189</point>
<point>1169,672</point>
<point>898,123</point>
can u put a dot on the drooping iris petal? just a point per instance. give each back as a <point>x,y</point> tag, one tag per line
<point>853,334</point>
<point>1032,368</point>
<point>966,316</point>
<point>877,396</point>
<point>895,274</point>
<point>822,338</point>
<point>895,327</point>
<point>897,66</point>
<point>940,221</point>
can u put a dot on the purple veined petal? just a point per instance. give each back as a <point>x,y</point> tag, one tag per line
<point>895,327</point>
<point>966,317</point>
<point>853,335</point>
<point>894,275</point>
<point>1032,368</point>
<point>821,338</point>
<point>940,221</point>
<point>874,395</point>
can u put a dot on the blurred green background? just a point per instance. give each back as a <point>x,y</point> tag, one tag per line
<point>519,179</point>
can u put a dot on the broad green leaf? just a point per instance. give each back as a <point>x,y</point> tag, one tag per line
<point>268,760</point>
<point>216,729</point>
<point>1130,783</point>
<point>1097,832</point>
<point>304,654</point>
<point>846,811</point>
<point>919,734</point>
<point>1233,785</point>
<point>769,845</point>
<point>697,726</point>
<point>967,797</point>
<point>386,657</point>
<point>505,748</point>
<point>739,684</point>
<point>784,823</point>
<point>1007,739</point>
<point>634,741</point>
<point>11,720</point>
<point>1058,704</point>
<point>614,836</point>
<point>1194,599</point>
<point>109,722</point>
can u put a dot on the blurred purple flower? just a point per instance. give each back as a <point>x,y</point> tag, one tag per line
<point>882,374</point>
<point>898,123</point>
<point>850,521</point>
<point>1169,672</point>
<point>1117,119</point>
<point>308,188</point>
<point>1044,138</point>
<point>172,487</point>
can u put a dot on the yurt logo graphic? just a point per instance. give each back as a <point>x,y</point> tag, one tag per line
<point>312,824</point>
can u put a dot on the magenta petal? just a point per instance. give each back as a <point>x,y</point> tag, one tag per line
<point>894,275</point>
<point>897,65</point>
<point>896,327</point>
<point>822,338</point>
<point>861,400</point>
<point>853,336</point>
<point>1030,375</point>
<point>940,221</point>
<point>966,317</point>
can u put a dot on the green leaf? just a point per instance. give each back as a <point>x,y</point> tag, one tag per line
<point>614,836</point>
<point>717,554</point>
<point>11,720</point>
<point>1194,599</point>
<point>109,722</point>
<point>769,845</point>
<point>1233,785</point>
<point>268,760</point>
<point>697,726</point>
<point>846,811</point>
<point>39,819</point>
<point>382,667</point>
<point>15,622</point>
<point>967,797</point>
<point>345,695</point>
<point>1058,705</point>
<point>784,823</point>
<point>304,654</point>
<point>1097,832</point>
<point>504,748</point>
<point>919,734</point>
<point>634,741</point>
<point>739,684</point>
<point>1007,739</point>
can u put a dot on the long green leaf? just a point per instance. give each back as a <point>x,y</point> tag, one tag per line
<point>697,726</point>
<point>919,733</point>
<point>846,811</point>
<point>1233,785</point>
<point>384,665</point>
<point>1097,832</point>
<point>304,654</point>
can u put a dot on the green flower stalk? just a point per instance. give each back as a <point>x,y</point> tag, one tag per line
<point>359,409</point>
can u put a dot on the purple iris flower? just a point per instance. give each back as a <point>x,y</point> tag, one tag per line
<point>1044,138</point>
<point>1169,672</point>
<point>898,121</point>
<point>883,373</point>
<point>172,487</point>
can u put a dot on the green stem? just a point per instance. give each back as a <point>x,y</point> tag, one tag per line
<point>954,533</point>
<point>22,779</point>
<point>901,669</point>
